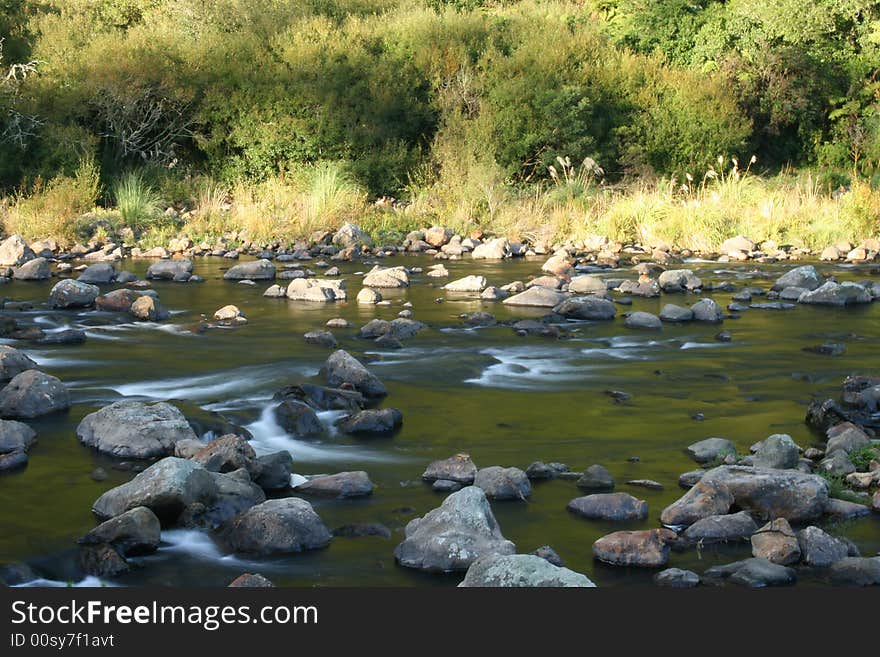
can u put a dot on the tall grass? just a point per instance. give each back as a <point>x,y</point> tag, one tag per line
<point>137,201</point>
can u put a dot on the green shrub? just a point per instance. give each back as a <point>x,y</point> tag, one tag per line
<point>136,201</point>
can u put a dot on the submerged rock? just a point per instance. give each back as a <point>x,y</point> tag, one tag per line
<point>537,296</point>
<point>596,478</point>
<point>372,421</point>
<point>341,485</point>
<point>617,507</point>
<point>755,573</point>
<point>587,308</point>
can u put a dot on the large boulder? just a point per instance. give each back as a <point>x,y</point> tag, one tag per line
<point>454,535</point>
<point>805,277</point>
<point>341,485</point>
<point>133,429</point>
<point>706,310</point>
<point>12,363</point>
<point>278,527</point>
<point>674,313</point>
<point>274,470</point>
<point>33,394</point>
<point>15,436</point>
<point>254,270</point>
<point>537,297</point>
<point>845,437</point>
<point>391,277</point>
<point>298,418</point>
<point>596,478</point>
<point>372,421</point>
<point>171,270</point>
<point>33,270</point>
<point>521,570</point>
<point>503,483</point>
<point>73,294</point>
<point>458,468</point>
<point>643,320</point>
<point>134,532</point>
<point>589,308</point>
<point>587,285</point>
<point>836,294</point>
<point>119,301</point>
<point>227,454</point>
<point>609,506</point>
<point>341,368</point>
<point>496,249</point>
<point>14,251</point>
<point>768,493</point>
<point>99,273</point>
<point>710,449</point>
<point>236,493</point>
<point>167,488</point>
<point>646,548</point>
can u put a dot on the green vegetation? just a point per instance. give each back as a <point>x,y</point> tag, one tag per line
<point>862,458</point>
<point>539,119</point>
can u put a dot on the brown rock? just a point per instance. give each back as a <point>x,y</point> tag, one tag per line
<point>776,542</point>
<point>647,548</point>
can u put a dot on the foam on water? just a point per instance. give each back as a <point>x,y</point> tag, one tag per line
<point>90,581</point>
<point>268,437</point>
<point>527,367</point>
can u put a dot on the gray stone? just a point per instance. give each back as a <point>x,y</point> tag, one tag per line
<point>467,284</point>
<point>856,571</point>
<point>836,294</point>
<point>777,451</point>
<point>15,436</point>
<point>677,280</point>
<point>820,549</point>
<point>805,277</point>
<point>372,422</point>
<point>254,270</point>
<point>100,273</point>
<point>587,285</point>
<point>703,500</point>
<point>537,296</point>
<point>341,368</point>
<point>33,270</point>
<point>73,294</point>
<point>617,507</point>
<point>132,429</point>
<point>170,270</point>
<point>454,535</point>
<point>673,313</point>
<point>298,419</point>
<point>12,363</point>
<point>458,468</point>
<point>134,532</point>
<point>588,308</point>
<point>274,470</point>
<point>279,526</point>
<point>676,578</point>
<point>596,478</point>
<point>349,235</point>
<point>33,394</point>
<point>706,310</point>
<point>710,449</point>
<point>521,570</point>
<point>643,320</point>
<point>14,251</point>
<point>754,573</point>
<point>391,277</point>
<point>503,483</point>
<point>721,529</point>
<point>341,485</point>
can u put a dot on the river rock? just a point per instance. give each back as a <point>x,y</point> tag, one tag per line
<point>298,419</point>
<point>278,527</point>
<point>820,549</point>
<point>250,581</point>
<point>458,468</point>
<point>721,529</point>
<point>673,313</point>
<point>341,485</point>
<point>255,270</point>
<point>167,488</point>
<point>12,363</point>
<point>437,236</point>
<point>391,277</point>
<point>321,338</point>
<point>14,252</point>
<point>587,285</point>
<point>33,394</point>
<point>148,309</point>
<point>689,479</point>
<point>837,464</point>
<point>856,571</point>
<point>678,280</point>
<point>596,478</point>
<point>549,554</point>
<point>274,470</point>
<point>645,548</point>
<point>134,532</point>
<point>349,235</point>
<point>372,421</point>
<point>13,460</point>
<point>496,249</point>
<point>117,300</point>
<point>503,483</point>
<point>617,507</point>
<point>69,293</point>
<point>227,454</point>
<point>777,451</point>
<point>170,270</point>
<point>101,273</point>
<point>836,294</point>
<point>710,449</point>
<point>341,368</point>
<point>15,436</point>
<point>588,308</point>
<point>845,510</point>
<point>676,578</point>
<point>541,470</point>
<point>643,320</point>
<point>132,429</point>
<point>521,570</point>
<point>776,542</point>
<point>704,499</point>
<point>805,277</point>
<point>755,573</point>
<point>33,270</point>
<point>706,310</point>
<point>467,284</point>
<point>846,437</point>
<point>790,494</point>
<point>454,535</point>
<point>230,314</point>
<point>537,296</point>
<point>316,290</point>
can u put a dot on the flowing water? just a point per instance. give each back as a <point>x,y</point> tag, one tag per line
<point>504,399</point>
